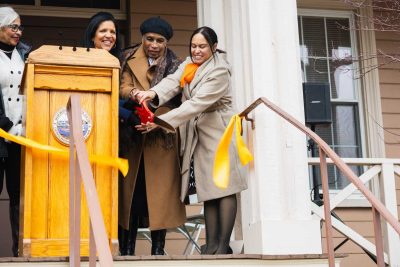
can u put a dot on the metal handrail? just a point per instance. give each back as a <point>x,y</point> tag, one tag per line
<point>79,167</point>
<point>378,208</point>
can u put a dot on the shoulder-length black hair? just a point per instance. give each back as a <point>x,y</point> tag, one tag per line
<point>210,36</point>
<point>92,27</point>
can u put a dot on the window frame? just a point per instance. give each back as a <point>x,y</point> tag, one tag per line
<point>357,199</point>
<point>69,12</point>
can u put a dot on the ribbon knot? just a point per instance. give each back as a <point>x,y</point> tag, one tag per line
<point>222,163</point>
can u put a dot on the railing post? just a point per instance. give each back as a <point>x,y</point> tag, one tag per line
<point>388,195</point>
<point>92,247</point>
<point>85,172</point>
<point>378,237</point>
<point>327,208</point>
<point>74,205</point>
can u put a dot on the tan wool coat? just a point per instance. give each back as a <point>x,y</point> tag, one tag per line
<point>161,164</point>
<point>202,119</point>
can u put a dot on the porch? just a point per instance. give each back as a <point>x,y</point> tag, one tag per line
<point>311,260</point>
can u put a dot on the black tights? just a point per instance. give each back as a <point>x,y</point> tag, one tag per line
<point>219,215</point>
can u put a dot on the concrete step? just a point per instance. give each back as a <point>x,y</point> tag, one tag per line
<point>242,260</point>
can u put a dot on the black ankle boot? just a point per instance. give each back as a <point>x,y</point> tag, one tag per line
<point>158,242</point>
<point>123,240</point>
<point>14,220</point>
<point>132,240</point>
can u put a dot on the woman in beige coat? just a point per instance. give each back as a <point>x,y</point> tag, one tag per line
<point>204,80</point>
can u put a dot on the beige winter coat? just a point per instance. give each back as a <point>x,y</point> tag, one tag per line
<point>202,119</point>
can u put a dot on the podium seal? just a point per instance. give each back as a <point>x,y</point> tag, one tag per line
<point>60,126</point>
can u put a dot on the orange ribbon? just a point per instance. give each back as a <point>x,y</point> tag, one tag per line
<point>188,73</point>
<point>222,162</point>
<point>121,164</point>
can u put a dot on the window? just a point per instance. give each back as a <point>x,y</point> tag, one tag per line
<point>19,2</point>
<point>327,49</point>
<point>111,4</point>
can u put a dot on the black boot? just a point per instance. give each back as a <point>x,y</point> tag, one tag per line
<point>123,240</point>
<point>132,239</point>
<point>158,242</point>
<point>14,220</point>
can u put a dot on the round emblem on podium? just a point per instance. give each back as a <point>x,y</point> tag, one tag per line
<point>61,126</point>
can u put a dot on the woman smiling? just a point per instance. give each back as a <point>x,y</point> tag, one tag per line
<point>205,82</point>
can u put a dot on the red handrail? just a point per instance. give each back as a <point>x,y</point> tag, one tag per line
<point>80,168</point>
<point>378,208</point>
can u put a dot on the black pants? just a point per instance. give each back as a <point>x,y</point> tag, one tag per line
<point>11,167</point>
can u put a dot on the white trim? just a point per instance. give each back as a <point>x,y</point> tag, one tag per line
<point>68,12</point>
<point>324,13</point>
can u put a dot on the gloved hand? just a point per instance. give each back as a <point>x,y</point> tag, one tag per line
<point>16,129</point>
<point>5,123</point>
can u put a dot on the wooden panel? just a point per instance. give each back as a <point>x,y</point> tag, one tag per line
<point>52,248</point>
<point>390,91</point>
<point>72,82</point>
<point>389,76</point>
<point>392,151</point>
<point>390,105</point>
<point>391,120</point>
<point>51,54</point>
<point>381,35</point>
<point>40,178</point>
<point>103,147</point>
<point>75,70</point>
<point>354,214</point>
<point>166,7</point>
<point>58,178</point>
<point>357,260</point>
<point>182,15</point>
<point>177,22</point>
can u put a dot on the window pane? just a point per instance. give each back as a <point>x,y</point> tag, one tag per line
<point>339,43</point>
<point>317,70</point>
<point>112,4</point>
<point>19,2</point>
<point>314,36</point>
<point>345,122</point>
<point>342,78</point>
<point>347,152</point>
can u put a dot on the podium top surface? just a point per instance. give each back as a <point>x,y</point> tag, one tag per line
<point>53,55</point>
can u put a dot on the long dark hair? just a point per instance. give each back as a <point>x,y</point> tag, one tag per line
<point>210,36</point>
<point>92,27</point>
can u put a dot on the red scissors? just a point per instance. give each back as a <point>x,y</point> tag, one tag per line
<point>144,113</point>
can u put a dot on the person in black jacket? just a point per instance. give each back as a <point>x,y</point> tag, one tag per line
<point>12,61</point>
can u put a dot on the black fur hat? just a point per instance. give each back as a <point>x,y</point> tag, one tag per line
<point>157,25</point>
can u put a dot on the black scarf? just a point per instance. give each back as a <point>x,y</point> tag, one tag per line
<point>7,49</point>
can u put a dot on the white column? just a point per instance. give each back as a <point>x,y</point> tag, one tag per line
<point>261,38</point>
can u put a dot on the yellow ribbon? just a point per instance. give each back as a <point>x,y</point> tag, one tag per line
<point>221,163</point>
<point>121,164</point>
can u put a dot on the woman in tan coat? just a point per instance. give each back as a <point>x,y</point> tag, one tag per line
<point>204,80</point>
<point>149,194</point>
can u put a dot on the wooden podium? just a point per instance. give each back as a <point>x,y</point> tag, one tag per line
<point>51,75</point>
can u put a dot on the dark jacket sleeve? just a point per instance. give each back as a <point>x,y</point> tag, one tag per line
<point>5,122</point>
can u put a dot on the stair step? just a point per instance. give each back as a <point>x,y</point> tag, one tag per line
<point>242,260</point>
